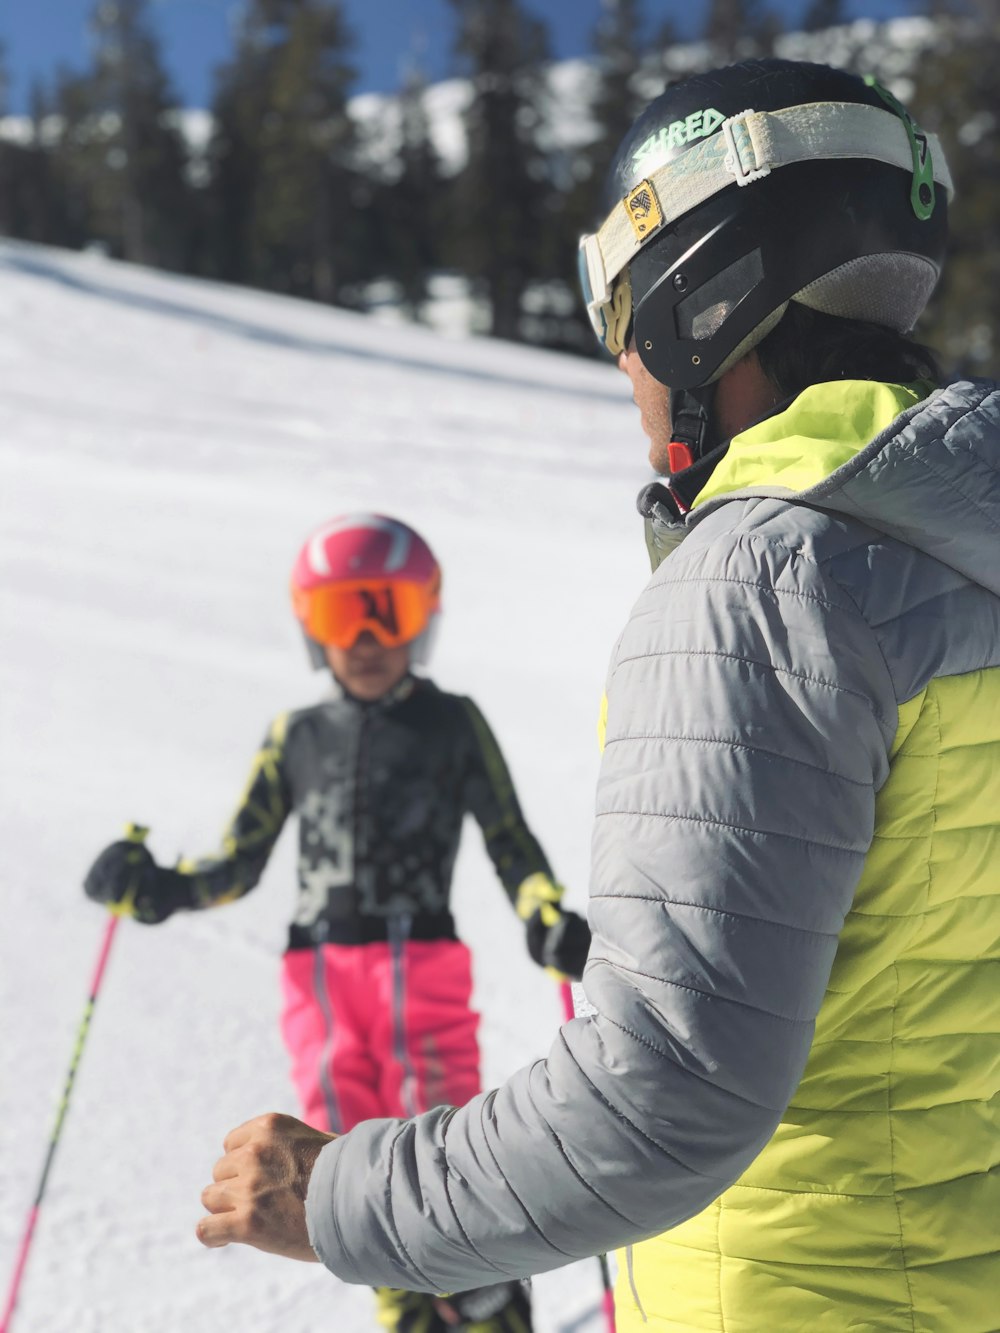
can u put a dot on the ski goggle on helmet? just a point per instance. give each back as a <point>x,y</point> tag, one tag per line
<point>365,573</point>
<point>746,187</point>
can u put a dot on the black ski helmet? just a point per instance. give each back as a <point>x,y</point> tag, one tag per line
<point>720,213</point>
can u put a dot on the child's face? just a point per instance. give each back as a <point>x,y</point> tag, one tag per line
<point>367,669</point>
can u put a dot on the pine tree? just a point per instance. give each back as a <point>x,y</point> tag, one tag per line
<point>76,153</point>
<point>958,96</point>
<point>412,208</point>
<point>618,46</point>
<point>32,205</point>
<point>7,159</point>
<point>287,200</point>
<point>738,29</point>
<point>823,14</point>
<point>134,155</point>
<point>621,56</point>
<point>501,198</point>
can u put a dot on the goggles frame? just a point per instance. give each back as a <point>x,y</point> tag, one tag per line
<point>393,611</point>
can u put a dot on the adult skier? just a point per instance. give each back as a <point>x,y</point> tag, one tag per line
<point>788,1098</point>
<point>377,986</point>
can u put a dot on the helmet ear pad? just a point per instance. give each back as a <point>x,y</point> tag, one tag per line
<point>704,287</point>
<point>423,645</point>
<point>316,653</point>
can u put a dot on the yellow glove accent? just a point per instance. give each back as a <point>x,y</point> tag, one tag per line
<point>539,891</point>
<point>137,833</point>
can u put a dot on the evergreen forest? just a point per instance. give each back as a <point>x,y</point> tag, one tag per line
<point>298,186</point>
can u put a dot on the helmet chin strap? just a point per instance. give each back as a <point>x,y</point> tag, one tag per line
<point>693,452</point>
<point>692,426</point>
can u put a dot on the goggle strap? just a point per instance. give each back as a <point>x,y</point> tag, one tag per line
<point>747,148</point>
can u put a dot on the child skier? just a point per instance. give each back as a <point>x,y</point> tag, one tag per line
<point>377,986</point>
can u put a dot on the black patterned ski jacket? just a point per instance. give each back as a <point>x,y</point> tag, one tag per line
<point>380,790</point>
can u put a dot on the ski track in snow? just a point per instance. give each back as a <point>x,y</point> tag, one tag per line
<point>165,444</point>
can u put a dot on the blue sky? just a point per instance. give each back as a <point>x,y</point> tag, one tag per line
<point>39,35</point>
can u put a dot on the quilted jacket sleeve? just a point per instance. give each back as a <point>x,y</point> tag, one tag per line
<point>750,712</point>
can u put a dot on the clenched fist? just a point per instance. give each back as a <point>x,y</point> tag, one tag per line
<point>259,1192</point>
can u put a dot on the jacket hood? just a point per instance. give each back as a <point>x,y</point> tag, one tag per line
<point>929,476</point>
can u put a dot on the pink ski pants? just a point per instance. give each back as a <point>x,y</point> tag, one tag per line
<point>382,1029</point>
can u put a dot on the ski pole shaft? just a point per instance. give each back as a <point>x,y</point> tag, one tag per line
<point>608,1298</point>
<point>608,1294</point>
<point>81,1037</point>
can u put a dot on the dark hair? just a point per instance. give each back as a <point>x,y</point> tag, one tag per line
<point>806,347</point>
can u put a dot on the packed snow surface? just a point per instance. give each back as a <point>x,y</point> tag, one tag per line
<point>165,445</point>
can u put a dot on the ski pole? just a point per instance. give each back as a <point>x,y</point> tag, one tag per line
<point>135,834</point>
<point>608,1294</point>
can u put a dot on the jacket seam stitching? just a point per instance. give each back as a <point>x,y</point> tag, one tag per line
<point>824,572</point>
<point>738,745</point>
<point>878,645</point>
<point>620,1115</point>
<point>718,1247</point>
<point>454,1212</point>
<point>768,588</point>
<point>764,666</point>
<point>725,999</point>
<point>814,1194</point>
<point>736,828</point>
<point>946,480</point>
<point>333,1210</point>
<point>892,1056</point>
<point>892,1154</point>
<point>718,911</point>
<point>390,1214</point>
<point>514,1194</point>
<point>585,1183</point>
<point>658,1050</point>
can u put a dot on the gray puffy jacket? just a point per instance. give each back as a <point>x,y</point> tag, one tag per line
<point>752,702</point>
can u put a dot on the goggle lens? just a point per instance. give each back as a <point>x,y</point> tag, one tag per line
<point>337,613</point>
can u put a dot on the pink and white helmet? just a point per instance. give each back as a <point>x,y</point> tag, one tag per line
<point>365,573</point>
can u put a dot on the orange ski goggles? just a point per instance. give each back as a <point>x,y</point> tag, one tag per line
<point>393,612</point>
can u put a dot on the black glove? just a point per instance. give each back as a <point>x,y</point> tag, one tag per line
<point>501,1309</point>
<point>559,941</point>
<point>130,883</point>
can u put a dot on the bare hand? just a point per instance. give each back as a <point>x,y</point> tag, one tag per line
<point>259,1193</point>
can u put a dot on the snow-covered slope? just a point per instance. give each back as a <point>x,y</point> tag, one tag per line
<point>164,445</point>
